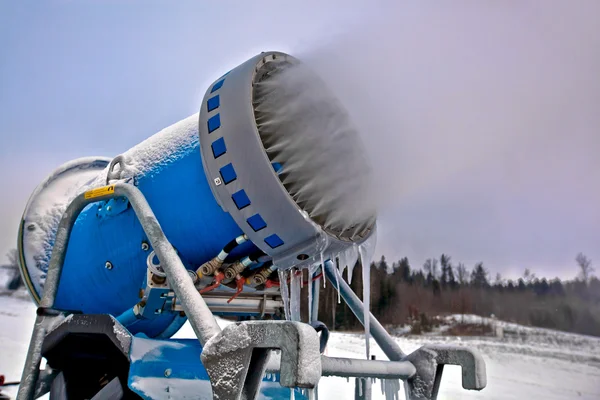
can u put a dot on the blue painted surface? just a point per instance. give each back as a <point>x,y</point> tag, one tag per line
<point>214,123</point>
<point>228,173</point>
<point>274,241</point>
<point>181,358</point>
<point>217,85</point>
<point>218,147</point>
<point>256,222</point>
<point>240,198</point>
<point>194,223</point>
<point>213,103</point>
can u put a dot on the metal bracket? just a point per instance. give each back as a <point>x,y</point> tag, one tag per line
<point>236,358</point>
<point>429,362</point>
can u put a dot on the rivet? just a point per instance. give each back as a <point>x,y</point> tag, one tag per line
<point>218,181</point>
<point>145,246</point>
<point>168,372</point>
<point>108,265</point>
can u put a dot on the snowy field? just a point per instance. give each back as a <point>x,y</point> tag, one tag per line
<point>529,363</point>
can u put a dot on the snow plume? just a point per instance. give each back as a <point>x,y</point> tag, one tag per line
<point>324,164</point>
<point>475,111</point>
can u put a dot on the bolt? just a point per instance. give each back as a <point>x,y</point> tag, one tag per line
<point>145,246</point>
<point>108,208</point>
<point>108,265</point>
<point>168,372</point>
<point>218,181</point>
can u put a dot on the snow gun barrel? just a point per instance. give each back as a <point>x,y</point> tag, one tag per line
<point>268,176</point>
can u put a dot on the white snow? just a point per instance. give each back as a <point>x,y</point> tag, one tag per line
<point>532,363</point>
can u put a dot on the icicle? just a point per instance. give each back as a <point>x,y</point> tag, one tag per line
<point>366,276</point>
<point>285,294</point>
<point>301,278</point>
<point>274,378</point>
<point>311,394</point>
<point>324,279</point>
<point>292,394</point>
<point>311,286</point>
<point>360,387</point>
<point>337,282</point>
<point>295,296</point>
<point>392,387</point>
<point>351,258</point>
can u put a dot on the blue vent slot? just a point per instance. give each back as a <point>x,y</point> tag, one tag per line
<point>256,222</point>
<point>228,173</point>
<point>273,241</point>
<point>214,122</point>
<point>218,147</point>
<point>241,199</point>
<point>277,167</point>
<point>213,103</point>
<point>217,86</point>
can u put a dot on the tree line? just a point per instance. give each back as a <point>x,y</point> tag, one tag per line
<point>401,294</point>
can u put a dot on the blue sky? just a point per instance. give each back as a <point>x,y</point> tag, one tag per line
<point>483,119</point>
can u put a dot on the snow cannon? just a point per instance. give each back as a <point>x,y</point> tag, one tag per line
<point>242,189</point>
<point>226,213</point>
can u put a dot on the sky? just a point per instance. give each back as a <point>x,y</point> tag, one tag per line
<point>482,119</point>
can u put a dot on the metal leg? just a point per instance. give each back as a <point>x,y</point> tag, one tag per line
<point>315,286</point>
<point>201,318</point>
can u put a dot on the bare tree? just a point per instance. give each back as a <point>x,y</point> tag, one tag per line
<point>430,266</point>
<point>462,274</point>
<point>585,266</point>
<point>528,276</point>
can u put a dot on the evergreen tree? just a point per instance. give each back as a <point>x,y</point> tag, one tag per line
<point>479,276</point>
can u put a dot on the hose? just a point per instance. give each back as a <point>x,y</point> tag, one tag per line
<point>173,327</point>
<point>211,266</point>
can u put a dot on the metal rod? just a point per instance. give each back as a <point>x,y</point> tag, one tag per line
<point>203,322</point>
<point>351,367</point>
<point>315,286</point>
<point>383,339</point>
<point>31,370</point>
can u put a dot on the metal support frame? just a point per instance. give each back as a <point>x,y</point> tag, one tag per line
<point>428,361</point>
<point>241,351</point>
<point>201,319</point>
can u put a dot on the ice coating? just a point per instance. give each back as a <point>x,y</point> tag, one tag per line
<point>295,280</point>
<point>366,250</point>
<point>285,294</point>
<point>50,200</point>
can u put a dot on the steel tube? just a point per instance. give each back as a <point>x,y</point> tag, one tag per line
<point>350,367</point>
<point>203,322</point>
<point>383,339</point>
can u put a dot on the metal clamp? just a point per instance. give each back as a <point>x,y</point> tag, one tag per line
<point>429,362</point>
<point>236,359</point>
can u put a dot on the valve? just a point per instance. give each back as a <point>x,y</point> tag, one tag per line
<point>218,279</point>
<point>239,283</point>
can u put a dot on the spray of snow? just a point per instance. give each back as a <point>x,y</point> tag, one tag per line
<point>305,129</point>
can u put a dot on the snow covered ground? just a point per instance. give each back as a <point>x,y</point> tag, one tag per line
<point>528,363</point>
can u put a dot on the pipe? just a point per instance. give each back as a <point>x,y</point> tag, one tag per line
<point>173,327</point>
<point>203,322</point>
<point>129,316</point>
<point>351,367</point>
<point>383,339</point>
